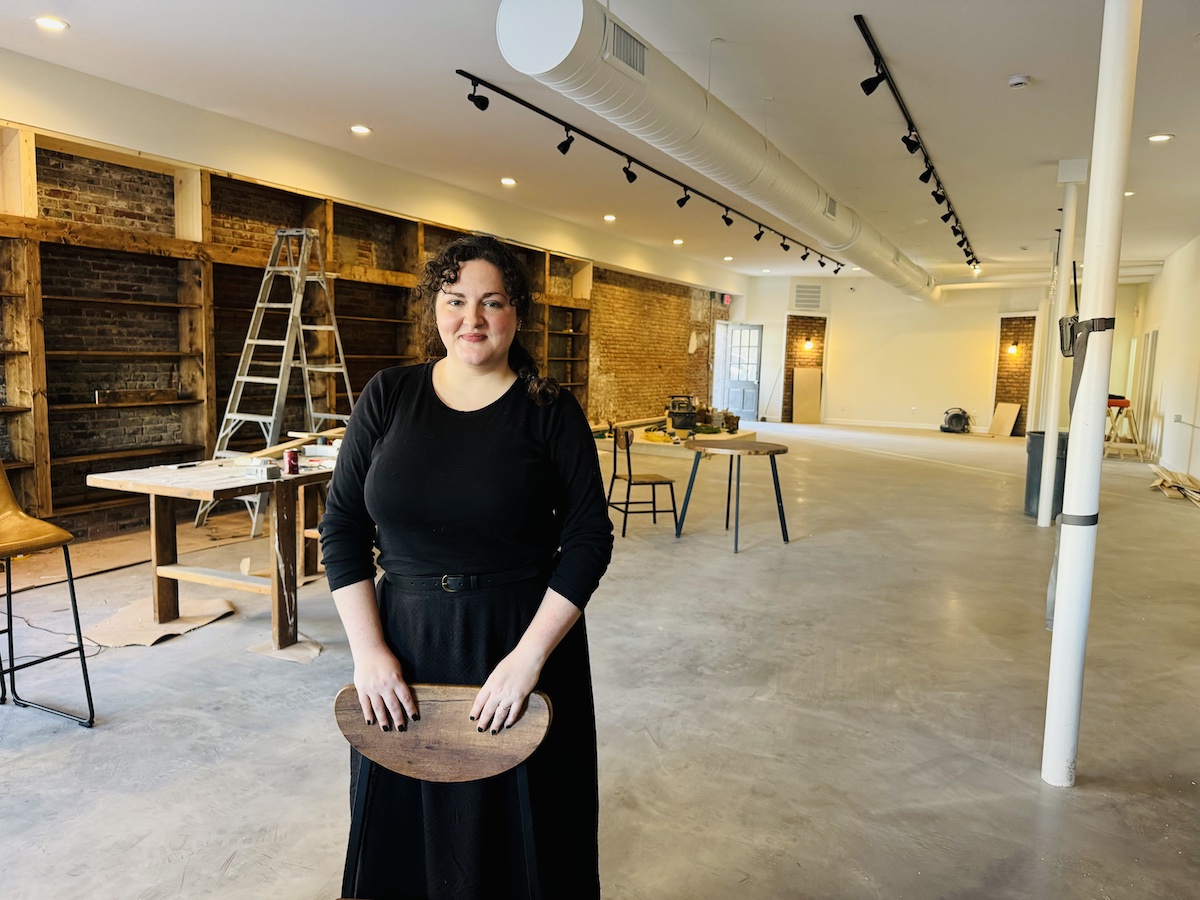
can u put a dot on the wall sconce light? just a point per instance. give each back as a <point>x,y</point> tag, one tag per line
<point>808,343</point>
<point>1012,348</point>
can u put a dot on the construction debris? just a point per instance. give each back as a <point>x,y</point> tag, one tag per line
<point>1176,484</point>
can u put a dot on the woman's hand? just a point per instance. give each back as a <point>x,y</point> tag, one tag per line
<point>383,693</point>
<point>501,700</point>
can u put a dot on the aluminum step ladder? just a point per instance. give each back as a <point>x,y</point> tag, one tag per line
<point>268,359</point>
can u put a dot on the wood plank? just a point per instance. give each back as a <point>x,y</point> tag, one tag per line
<point>1004,418</point>
<point>444,745</point>
<point>163,553</point>
<point>18,172</point>
<point>373,276</point>
<point>284,626</point>
<point>99,237</point>
<point>189,211</point>
<point>189,401</point>
<point>127,453</point>
<point>254,584</point>
<point>113,301</point>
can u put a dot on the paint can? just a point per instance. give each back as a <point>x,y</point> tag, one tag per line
<point>291,462</point>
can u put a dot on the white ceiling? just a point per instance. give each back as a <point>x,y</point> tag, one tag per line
<point>791,68</point>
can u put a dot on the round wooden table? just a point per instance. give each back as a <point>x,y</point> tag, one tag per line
<point>734,448</point>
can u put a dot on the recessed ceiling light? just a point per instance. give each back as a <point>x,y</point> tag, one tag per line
<point>1129,193</point>
<point>360,129</point>
<point>610,218</point>
<point>1160,138</point>
<point>766,271</point>
<point>856,268</point>
<point>677,241</point>
<point>728,259</point>
<point>51,23</point>
<point>508,182</point>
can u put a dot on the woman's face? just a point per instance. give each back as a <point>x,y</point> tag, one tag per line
<point>475,318</point>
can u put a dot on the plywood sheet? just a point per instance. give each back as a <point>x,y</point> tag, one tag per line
<point>1004,418</point>
<point>135,625</point>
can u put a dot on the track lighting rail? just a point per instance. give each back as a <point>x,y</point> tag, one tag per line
<point>914,143</point>
<point>572,131</point>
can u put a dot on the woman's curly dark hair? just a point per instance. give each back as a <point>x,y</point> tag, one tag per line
<point>443,269</point>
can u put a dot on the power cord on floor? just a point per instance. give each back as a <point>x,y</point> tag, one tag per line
<point>99,648</point>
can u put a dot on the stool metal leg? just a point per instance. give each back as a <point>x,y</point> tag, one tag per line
<point>729,488</point>
<point>78,648</point>
<point>687,495</point>
<point>779,498</point>
<point>737,509</point>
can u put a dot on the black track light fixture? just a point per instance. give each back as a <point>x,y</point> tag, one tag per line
<point>927,174</point>
<point>962,242</point>
<point>911,141</point>
<point>869,85</point>
<point>785,245</point>
<point>938,195</point>
<point>571,132</point>
<point>804,255</point>
<point>948,215</point>
<point>481,102</point>
<point>821,262</point>
<point>838,269</point>
<point>956,231</point>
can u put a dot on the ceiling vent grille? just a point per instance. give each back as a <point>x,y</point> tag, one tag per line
<point>628,49</point>
<point>831,207</point>
<point>807,298</point>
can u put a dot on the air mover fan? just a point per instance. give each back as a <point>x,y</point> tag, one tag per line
<point>957,421</point>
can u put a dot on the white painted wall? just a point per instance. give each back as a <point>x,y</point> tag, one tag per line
<point>1172,306</point>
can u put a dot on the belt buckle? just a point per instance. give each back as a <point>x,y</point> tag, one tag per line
<point>446,586</point>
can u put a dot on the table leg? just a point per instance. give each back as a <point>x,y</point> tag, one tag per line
<point>779,499</point>
<point>163,552</point>
<point>729,488</point>
<point>283,565</point>
<point>688,495</point>
<point>737,507</point>
<point>307,550</point>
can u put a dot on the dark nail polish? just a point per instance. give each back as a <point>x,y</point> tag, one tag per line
<point>369,722</point>
<point>387,727</point>
<point>416,717</point>
<point>493,732</point>
<point>403,728</point>
<point>480,730</point>
<point>508,726</point>
<point>472,718</point>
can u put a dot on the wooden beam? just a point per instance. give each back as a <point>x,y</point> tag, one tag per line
<point>189,205</point>
<point>18,172</point>
<point>58,231</point>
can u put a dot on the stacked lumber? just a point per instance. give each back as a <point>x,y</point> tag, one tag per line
<point>1176,484</point>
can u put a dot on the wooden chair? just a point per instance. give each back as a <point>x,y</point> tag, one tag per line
<point>20,534</point>
<point>443,746</point>
<point>622,439</point>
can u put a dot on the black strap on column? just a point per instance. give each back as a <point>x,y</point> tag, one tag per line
<point>1079,520</point>
<point>1083,330</point>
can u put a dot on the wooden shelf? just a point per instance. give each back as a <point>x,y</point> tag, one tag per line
<point>569,384</point>
<point>121,354</point>
<point>129,405</point>
<point>74,509</point>
<point>12,465</point>
<point>350,356</point>
<point>163,450</point>
<point>5,351</point>
<point>569,333</point>
<point>156,304</point>
<point>343,318</point>
<point>15,295</point>
<point>13,410</point>
<point>570,359</point>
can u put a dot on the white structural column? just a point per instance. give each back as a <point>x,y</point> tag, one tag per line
<point>1081,499</point>
<point>1071,173</point>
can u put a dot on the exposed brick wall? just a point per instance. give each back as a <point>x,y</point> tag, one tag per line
<point>363,238</point>
<point>1013,370</point>
<point>72,273</point>
<point>91,192</point>
<point>247,215</point>
<point>373,339</point>
<point>561,282</point>
<point>640,330</point>
<point>799,330</point>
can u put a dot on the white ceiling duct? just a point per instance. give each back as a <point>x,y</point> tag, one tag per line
<point>579,49</point>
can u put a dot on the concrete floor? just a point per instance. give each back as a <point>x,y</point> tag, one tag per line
<point>857,714</point>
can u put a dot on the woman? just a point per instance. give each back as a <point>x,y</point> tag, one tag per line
<point>472,465</point>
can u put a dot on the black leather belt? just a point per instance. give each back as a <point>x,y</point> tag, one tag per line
<point>452,584</point>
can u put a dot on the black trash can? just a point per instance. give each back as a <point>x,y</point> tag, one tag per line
<point>1034,441</point>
